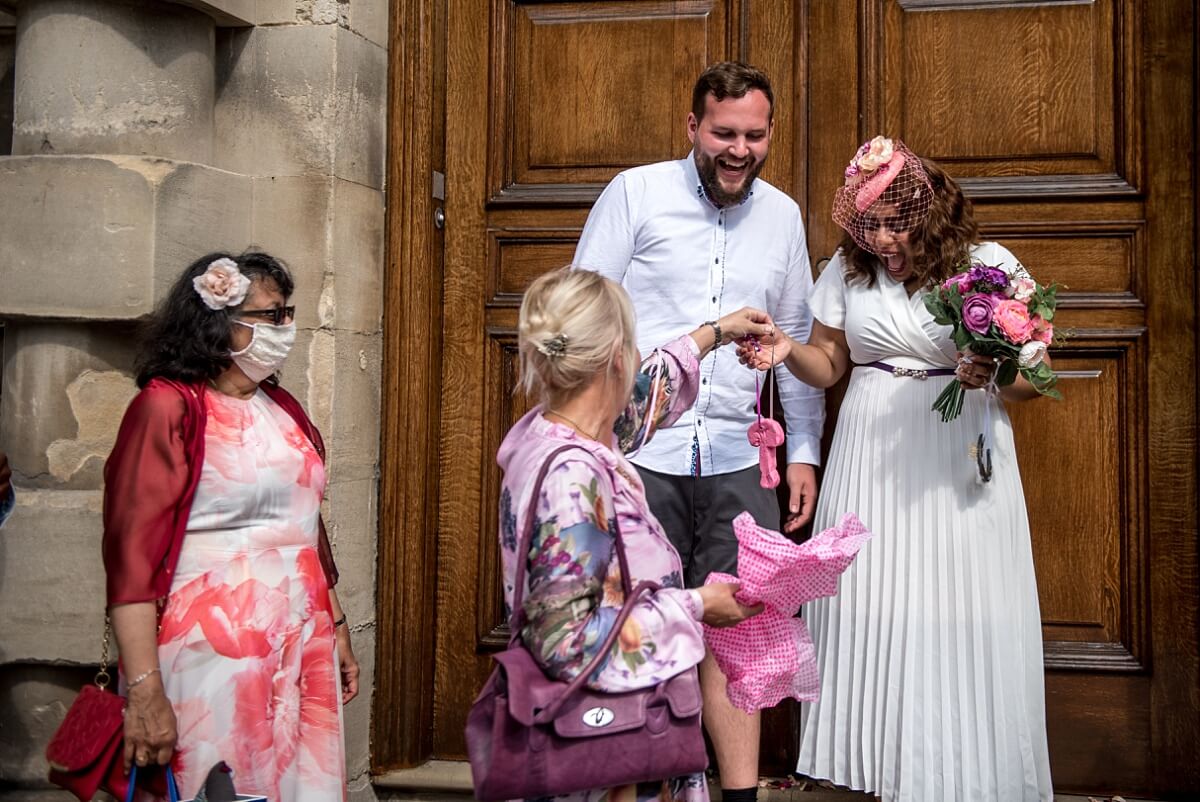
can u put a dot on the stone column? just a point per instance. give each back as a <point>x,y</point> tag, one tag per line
<point>111,129</point>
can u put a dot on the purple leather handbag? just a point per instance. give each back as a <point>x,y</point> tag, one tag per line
<point>532,736</point>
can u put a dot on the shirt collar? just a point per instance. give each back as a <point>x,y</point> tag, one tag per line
<point>693,176</point>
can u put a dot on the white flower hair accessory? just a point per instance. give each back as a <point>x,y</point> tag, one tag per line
<point>222,284</point>
<point>870,157</point>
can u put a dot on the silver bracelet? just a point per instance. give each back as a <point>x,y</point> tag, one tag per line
<point>140,678</point>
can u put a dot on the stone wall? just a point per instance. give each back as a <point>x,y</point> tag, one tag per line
<point>135,137</point>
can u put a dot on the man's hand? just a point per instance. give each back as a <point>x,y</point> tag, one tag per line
<point>5,477</point>
<point>802,495</point>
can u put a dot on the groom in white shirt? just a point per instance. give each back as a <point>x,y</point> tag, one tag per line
<point>693,240</point>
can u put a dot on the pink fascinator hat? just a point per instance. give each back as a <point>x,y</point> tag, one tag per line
<point>885,181</point>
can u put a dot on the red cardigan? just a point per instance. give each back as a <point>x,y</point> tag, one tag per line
<point>150,480</point>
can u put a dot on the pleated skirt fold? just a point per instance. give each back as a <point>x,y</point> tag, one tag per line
<point>930,653</point>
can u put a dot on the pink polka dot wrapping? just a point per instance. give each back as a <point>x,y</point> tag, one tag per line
<point>770,657</point>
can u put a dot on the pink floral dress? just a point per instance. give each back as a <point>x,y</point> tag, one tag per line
<point>246,644</point>
<point>574,582</point>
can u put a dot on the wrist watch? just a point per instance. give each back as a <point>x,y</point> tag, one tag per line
<point>716,327</point>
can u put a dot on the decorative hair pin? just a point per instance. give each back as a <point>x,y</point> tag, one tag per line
<point>873,155</point>
<point>222,284</point>
<point>554,347</point>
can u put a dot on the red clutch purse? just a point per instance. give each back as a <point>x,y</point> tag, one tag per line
<point>85,752</point>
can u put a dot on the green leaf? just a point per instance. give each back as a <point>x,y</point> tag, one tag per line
<point>1007,373</point>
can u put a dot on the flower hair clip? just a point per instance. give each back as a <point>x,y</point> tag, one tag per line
<point>554,347</point>
<point>872,156</point>
<point>222,284</point>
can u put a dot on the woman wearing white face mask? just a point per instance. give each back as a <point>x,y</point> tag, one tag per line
<point>220,577</point>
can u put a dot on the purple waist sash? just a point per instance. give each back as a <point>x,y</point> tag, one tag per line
<point>912,373</point>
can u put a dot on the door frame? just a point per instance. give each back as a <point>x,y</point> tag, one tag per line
<point>406,577</point>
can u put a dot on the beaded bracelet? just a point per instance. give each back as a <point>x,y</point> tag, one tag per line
<point>140,678</point>
<point>339,622</point>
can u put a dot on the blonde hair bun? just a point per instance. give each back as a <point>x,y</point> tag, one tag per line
<point>571,327</point>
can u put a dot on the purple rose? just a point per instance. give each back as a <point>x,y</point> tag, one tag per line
<point>977,312</point>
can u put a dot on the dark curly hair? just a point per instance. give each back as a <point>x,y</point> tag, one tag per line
<point>940,244</point>
<point>187,341</point>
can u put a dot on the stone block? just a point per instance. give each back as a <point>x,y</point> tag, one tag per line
<point>276,100</point>
<point>330,232</point>
<point>33,701</point>
<point>51,578</point>
<point>357,715</point>
<point>228,13</point>
<point>134,225</point>
<point>198,210</point>
<point>275,12</point>
<point>362,110</point>
<point>352,513</point>
<point>369,19</point>
<point>75,384</point>
<point>153,96</point>
<point>300,100</point>
<point>292,221</point>
<point>357,261</point>
<point>354,445</point>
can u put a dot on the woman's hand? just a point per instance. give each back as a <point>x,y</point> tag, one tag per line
<point>974,371</point>
<point>150,732</point>
<point>764,352</point>
<point>721,609</point>
<point>745,322</point>
<point>348,664</point>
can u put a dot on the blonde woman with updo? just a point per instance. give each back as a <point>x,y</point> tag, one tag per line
<point>579,355</point>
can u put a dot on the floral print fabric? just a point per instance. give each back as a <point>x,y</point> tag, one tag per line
<point>574,581</point>
<point>246,643</point>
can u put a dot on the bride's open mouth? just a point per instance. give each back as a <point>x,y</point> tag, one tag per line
<point>895,263</point>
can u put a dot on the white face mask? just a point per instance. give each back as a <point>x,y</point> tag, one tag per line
<point>267,351</point>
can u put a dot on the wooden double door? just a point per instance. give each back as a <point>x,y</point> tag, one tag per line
<point>1068,122</point>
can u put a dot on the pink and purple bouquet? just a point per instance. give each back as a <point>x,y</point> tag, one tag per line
<point>998,314</point>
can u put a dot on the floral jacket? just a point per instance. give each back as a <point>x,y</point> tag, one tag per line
<point>573,590</point>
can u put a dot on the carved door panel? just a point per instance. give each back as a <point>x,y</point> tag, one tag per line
<point>1040,110</point>
<point>1066,121</point>
<point>546,103</point>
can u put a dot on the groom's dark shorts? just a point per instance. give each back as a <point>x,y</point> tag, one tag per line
<point>697,514</point>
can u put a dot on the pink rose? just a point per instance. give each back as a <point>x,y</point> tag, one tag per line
<point>1043,330</point>
<point>222,284</point>
<point>960,280</point>
<point>1021,288</point>
<point>1012,318</point>
<point>977,311</point>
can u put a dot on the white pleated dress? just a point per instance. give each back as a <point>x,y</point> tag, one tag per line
<point>930,653</point>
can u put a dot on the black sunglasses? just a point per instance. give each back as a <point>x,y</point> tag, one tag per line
<point>276,316</point>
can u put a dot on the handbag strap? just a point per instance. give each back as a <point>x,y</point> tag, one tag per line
<point>172,789</point>
<point>102,676</point>
<point>632,594</point>
<point>526,542</point>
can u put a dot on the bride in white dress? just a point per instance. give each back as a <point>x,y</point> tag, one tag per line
<point>930,653</point>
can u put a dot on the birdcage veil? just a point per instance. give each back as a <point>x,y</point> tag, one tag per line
<point>885,185</point>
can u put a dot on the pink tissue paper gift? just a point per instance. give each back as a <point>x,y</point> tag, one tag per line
<point>770,657</point>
